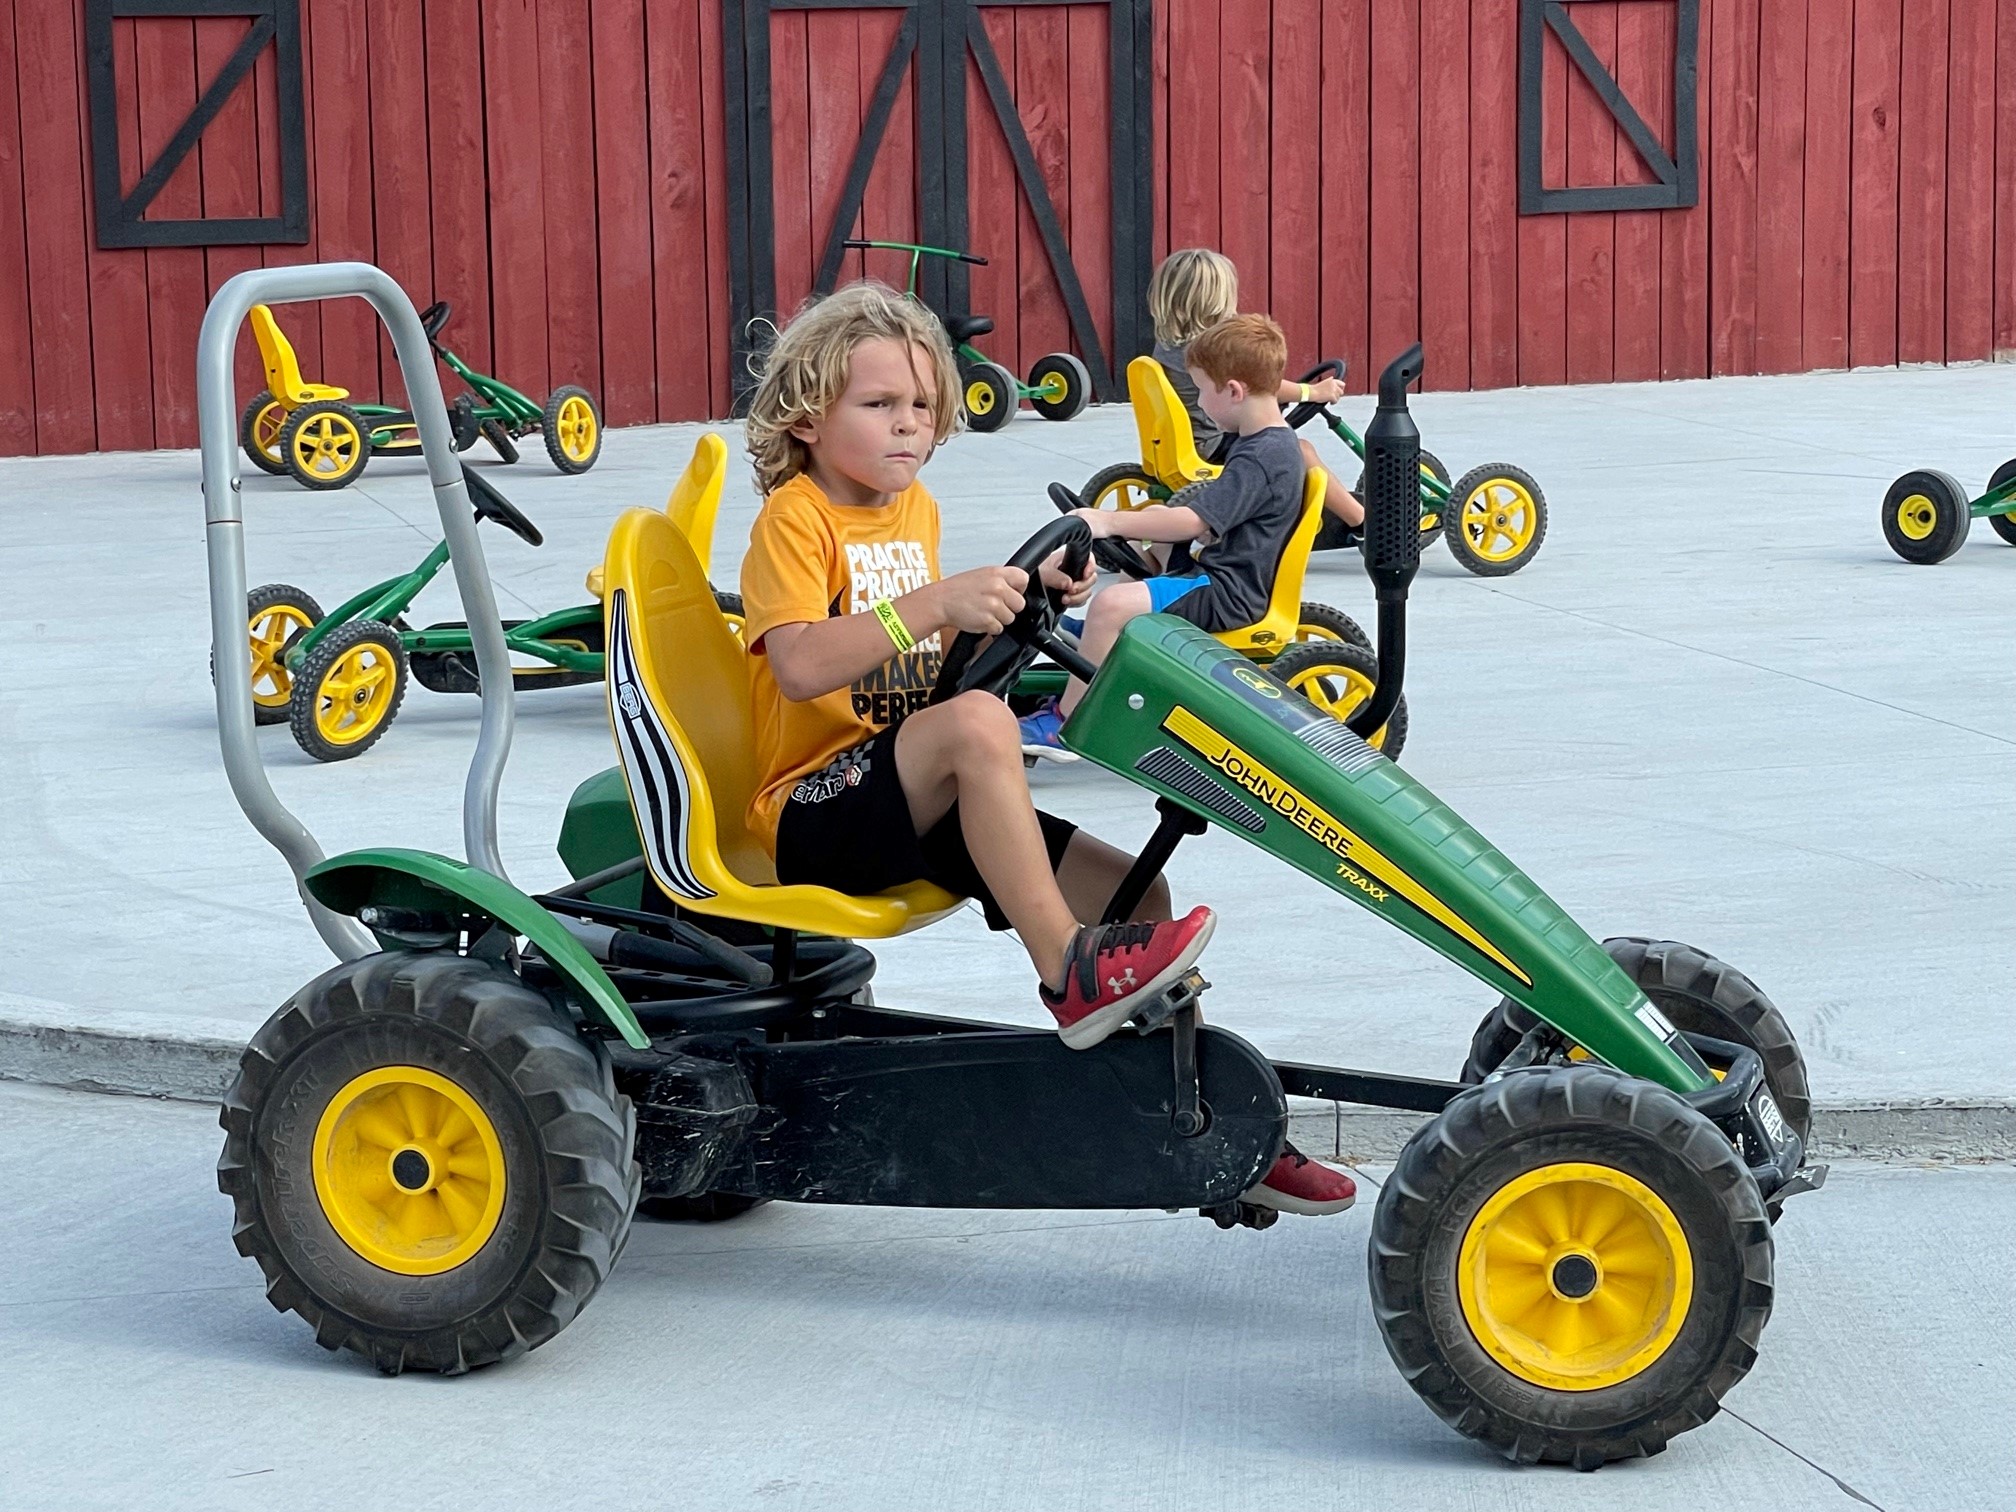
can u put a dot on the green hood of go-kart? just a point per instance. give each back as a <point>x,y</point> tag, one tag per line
<point>1234,744</point>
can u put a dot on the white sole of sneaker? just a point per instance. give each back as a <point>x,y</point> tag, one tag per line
<point>1049,753</point>
<point>1301,1207</point>
<point>1094,1027</point>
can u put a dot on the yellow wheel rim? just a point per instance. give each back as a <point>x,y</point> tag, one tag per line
<point>1054,387</point>
<point>979,397</point>
<point>409,1170</point>
<point>328,446</point>
<point>1499,519</point>
<point>1916,516</point>
<point>1134,492</point>
<point>578,429</point>
<point>1336,691</point>
<point>272,683</point>
<point>266,426</point>
<point>1575,1277</point>
<point>354,695</point>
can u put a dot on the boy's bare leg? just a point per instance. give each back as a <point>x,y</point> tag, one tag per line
<point>1105,618</point>
<point>1337,499</point>
<point>1092,872</point>
<point>968,750</point>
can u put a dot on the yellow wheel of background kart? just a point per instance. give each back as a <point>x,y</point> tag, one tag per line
<point>325,444</point>
<point>259,427</point>
<point>573,429</point>
<point>274,615</point>
<point>1121,486</point>
<point>347,690</point>
<point>1338,677</point>
<point>1926,517</point>
<point>1495,519</point>
<point>990,394</point>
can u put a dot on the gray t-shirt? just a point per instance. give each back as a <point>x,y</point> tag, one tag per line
<point>1206,434</point>
<point>1251,508</point>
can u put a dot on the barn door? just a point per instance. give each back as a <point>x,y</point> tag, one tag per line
<point>1018,131</point>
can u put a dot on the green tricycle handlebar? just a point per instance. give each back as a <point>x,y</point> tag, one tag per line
<point>917,253</point>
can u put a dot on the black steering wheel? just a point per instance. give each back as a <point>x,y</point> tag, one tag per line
<point>1302,414</point>
<point>492,505</point>
<point>992,665</point>
<point>1110,552</point>
<point>434,317</point>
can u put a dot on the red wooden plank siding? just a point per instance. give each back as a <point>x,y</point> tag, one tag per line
<point>1445,192</point>
<point>1191,103</point>
<point>1781,187</point>
<point>122,376</point>
<point>53,167</point>
<point>714,201</point>
<point>1645,73</point>
<point>2005,177</point>
<point>991,196</point>
<point>1158,166</point>
<point>833,105</point>
<point>1683,243</point>
<point>303,321</point>
<point>342,209</point>
<point>1294,154</point>
<point>1494,193</point>
<point>1732,233</point>
<point>516,194</point>
<point>624,317</point>
<point>889,208</point>
<point>1089,222</point>
<point>1543,240</point>
<point>1042,89</point>
<point>1245,42</point>
<point>1970,180</point>
<point>790,139</point>
<point>684,329</point>
<point>402,222</point>
<point>1592,239</point>
<point>1396,177</point>
<point>1830,46</point>
<point>1872,230</point>
<point>1345,310</point>
<point>455,178</point>
<point>573,317</point>
<point>176,285</point>
<point>17,369</point>
<point>1921,181</point>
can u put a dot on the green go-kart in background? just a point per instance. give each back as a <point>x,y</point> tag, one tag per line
<point>1926,513</point>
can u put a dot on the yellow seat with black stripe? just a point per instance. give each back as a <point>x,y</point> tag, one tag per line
<point>1280,627</point>
<point>679,700</point>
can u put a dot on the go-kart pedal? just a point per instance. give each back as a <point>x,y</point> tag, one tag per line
<point>1185,992</point>
<point>1240,1214</point>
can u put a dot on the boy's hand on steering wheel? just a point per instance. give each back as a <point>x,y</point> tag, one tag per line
<point>983,600</point>
<point>1327,391</point>
<point>1075,591</point>
<point>1099,521</point>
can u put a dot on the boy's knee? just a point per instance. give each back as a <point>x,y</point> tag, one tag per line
<point>1117,604</point>
<point>983,725</point>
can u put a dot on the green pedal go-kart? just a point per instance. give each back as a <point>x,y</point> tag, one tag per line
<point>337,680</point>
<point>1926,513</point>
<point>1059,386</point>
<point>317,435</point>
<point>436,1148</point>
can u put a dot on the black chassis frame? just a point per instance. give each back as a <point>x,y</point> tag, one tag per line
<point>769,1075</point>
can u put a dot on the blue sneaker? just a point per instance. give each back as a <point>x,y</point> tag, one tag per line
<point>1042,734</point>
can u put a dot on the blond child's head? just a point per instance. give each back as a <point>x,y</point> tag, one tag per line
<point>813,394</point>
<point>1192,291</point>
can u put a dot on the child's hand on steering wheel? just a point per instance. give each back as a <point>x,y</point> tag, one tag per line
<point>1076,591</point>
<point>1326,391</point>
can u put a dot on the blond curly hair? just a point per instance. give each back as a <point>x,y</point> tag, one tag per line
<point>1191,292</point>
<point>805,372</point>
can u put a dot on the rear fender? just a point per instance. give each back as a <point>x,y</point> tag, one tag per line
<point>421,882</point>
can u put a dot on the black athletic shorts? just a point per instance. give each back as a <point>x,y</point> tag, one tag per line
<point>847,826</point>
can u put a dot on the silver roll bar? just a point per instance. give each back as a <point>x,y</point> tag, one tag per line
<point>224,530</point>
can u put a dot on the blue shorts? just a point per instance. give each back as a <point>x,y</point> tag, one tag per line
<point>1162,592</point>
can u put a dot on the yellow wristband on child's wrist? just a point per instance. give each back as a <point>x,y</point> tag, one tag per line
<point>892,622</point>
<point>1305,393</point>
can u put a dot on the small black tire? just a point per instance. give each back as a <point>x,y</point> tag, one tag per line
<point>1675,1177</point>
<point>1474,522</point>
<point>730,605</point>
<point>2004,525</point>
<point>704,1207</point>
<point>1337,676</point>
<point>500,440</point>
<point>563,1145</point>
<point>990,395</point>
<point>1321,622</point>
<point>334,674</point>
<point>1130,486</point>
<point>572,427</point>
<point>1062,385</point>
<point>297,609</point>
<point>263,454</point>
<point>325,445</point>
<point>1925,517</point>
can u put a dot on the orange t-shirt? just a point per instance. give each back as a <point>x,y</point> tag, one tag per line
<point>810,559</point>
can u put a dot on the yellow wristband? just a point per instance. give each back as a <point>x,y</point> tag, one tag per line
<point>1305,393</point>
<point>892,622</point>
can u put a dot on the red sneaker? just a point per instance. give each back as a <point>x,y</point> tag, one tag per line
<point>1112,969</point>
<point>1298,1184</point>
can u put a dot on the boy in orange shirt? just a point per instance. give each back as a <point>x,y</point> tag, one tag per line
<point>864,784</point>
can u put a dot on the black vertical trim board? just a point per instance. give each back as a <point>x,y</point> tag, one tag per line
<point>1678,176</point>
<point>940,35</point>
<point>121,218</point>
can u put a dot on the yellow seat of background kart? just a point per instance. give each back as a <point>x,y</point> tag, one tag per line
<point>1280,627</point>
<point>1168,444</point>
<point>679,700</point>
<point>694,502</point>
<point>283,370</point>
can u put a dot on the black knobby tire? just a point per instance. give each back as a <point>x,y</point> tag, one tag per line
<point>704,1207</point>
<point>350,440</point>
<point>500,440</point>
<point>565,1134</point>
<point>1925,517</point>
<point>2003,525</point>
<point>730,605</point>
<point>1333,666</point>
<point>317,665</point>
<point>1335,622</point>
<point>1479,556</point>
<point>1546,1120</point>
<point>1074,380</point>
<point>248,438</point>
<point>559,437</point>
<point>988,392</point>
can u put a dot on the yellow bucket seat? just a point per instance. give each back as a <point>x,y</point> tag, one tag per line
<point>283,370</point>
<point>694,502</point>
